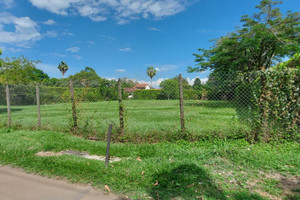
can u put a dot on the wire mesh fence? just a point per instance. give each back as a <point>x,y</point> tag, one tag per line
<point>228,105</point>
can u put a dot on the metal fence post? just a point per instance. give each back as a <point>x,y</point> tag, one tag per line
<point>181,105</point>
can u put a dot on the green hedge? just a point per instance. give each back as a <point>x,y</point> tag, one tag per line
<point>272,111</point>
<point>146,94</point>
<point>162,95</point>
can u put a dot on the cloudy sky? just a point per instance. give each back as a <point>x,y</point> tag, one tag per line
<point>119,38</point>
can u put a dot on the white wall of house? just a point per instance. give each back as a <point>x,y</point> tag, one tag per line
<point>147,87</point>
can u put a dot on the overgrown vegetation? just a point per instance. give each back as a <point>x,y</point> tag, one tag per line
<point>232,169</point>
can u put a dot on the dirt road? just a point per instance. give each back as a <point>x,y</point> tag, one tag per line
<point>15,184</point>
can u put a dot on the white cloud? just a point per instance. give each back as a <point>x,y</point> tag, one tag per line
<point>67,32</point>
<point>120,70</point>
<point>25,33</point>
<point>126,49</point>
<point>107,37</point>
<point>77,57</point>
<point>191,81</point>
<point>11,49</point>
<point>52,34</point>
<point>166,68</point>
<point>123,11</point>
<point>49,22</point>
<point>7,4</point>
<point>73,49</point>
<point>50,69</point>
<point>154,29</point>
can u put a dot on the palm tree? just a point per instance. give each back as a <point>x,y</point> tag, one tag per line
<point>151,72</point>
<point>63,68</point>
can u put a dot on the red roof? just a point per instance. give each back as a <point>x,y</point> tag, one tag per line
<point>129,90</point>
<point>141,86</point>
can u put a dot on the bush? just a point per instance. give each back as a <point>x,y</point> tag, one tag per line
<point>146,94</point>
<point>273,110</point>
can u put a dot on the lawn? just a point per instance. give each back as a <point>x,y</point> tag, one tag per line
<point>144,118</point>
<point>232,169</point>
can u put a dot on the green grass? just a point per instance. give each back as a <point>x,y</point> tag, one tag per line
<point>232,169</point>
<point>154,119</point>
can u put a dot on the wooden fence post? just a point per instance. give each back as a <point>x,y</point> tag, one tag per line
<point>38,105</point>
<point>121,108</point>
<point>181,105</point>
<point>8,105</point>
<point>74,114</point>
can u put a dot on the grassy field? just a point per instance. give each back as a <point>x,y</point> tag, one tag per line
<point>200,170</point>
<point>144,118</point>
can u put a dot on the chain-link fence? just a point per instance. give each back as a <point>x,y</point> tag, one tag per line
<point>227,105</point>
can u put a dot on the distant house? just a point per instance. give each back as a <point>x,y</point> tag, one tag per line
<point>130,91</point>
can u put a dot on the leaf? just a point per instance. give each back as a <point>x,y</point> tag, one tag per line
<point>139,159</point>
<point>156,183</point>
<point>143,172</point>
<point>107,188</point>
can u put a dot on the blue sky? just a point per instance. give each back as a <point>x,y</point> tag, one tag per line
<point>119,38</point>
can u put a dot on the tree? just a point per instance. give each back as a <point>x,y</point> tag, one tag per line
<point>197,84</point>
<point>87,77</point>
<point>18,70</point>
<point>63,68</point>
<point>263,41</point>
<point>170,88</point>
<point>151,72</point>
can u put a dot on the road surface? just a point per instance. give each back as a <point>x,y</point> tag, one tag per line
<point>15,184</point>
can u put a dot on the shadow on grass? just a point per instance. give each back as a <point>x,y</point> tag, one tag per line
<point>187,181</point>
<point>212,104</point>
<point>247,196</point>
<point>4,110</point>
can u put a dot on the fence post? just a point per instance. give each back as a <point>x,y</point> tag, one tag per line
<point>108,145</point>
<point>74,114</point>
<point>121,108</point>
<point>38,105</point>
<point>181,105</point>
<point>8,105</point>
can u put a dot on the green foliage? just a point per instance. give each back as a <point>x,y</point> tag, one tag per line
<point>197,84</point>
<point>151,72</point>
<point>63,68</point>
<point>19,70</point>
<point>170,88</point>
<point>281,103</point>
<point>182,170</point>
<point>146,94</point>
<point>264,38</point>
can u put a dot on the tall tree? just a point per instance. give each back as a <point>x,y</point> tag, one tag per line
<point>264,39</point>
<point>151,72</point>
<point>197,84</point>
<point>63,68</point>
